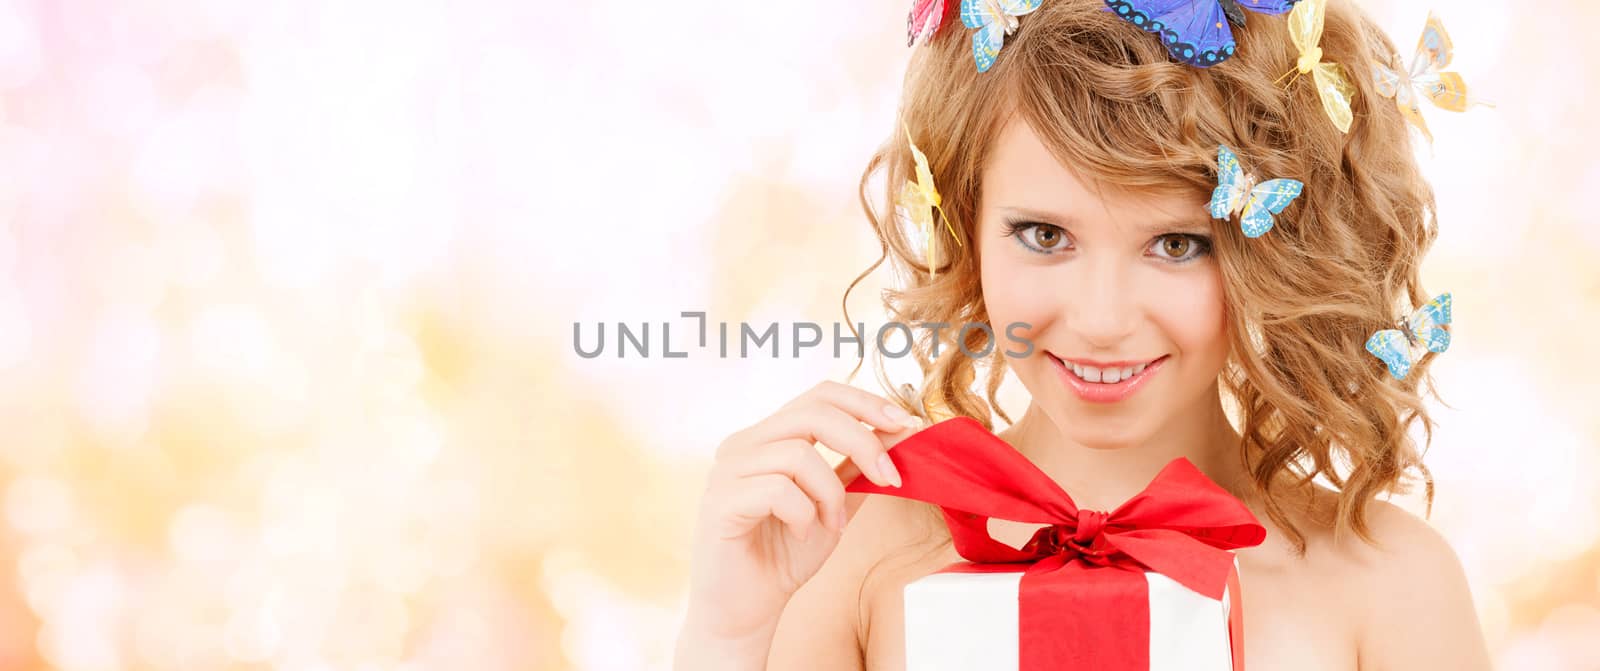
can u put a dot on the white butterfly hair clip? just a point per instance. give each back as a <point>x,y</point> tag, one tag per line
<point>913,399</point>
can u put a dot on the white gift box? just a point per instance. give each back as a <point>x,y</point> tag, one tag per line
<point>959,621</point>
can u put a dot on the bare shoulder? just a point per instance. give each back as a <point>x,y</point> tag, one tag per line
<point>1412,606</point>
<point>825,622</point>
<point>1420,612</point>
<point>1400,602</point>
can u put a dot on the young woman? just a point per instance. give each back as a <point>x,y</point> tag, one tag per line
<point>1075,174</point>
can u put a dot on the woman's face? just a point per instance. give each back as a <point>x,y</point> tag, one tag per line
<point>1109,282</point>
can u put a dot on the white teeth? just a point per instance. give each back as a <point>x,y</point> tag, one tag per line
<point>1105,375</point>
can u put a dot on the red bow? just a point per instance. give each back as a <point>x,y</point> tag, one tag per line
<point>1074,613</point>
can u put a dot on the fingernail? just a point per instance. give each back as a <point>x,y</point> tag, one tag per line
<point>898,414</point>
<point>887,470</point>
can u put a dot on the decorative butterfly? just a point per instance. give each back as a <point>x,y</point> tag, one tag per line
<point>919,200</point>
<point>1305,28</point>
<point>1425,78</point>
<point>994,19</point>
<point>1238,193</point>
<point>913,399</point>
<point>1398,346</point>
<point>924,20</point>
<point>1194,31</point>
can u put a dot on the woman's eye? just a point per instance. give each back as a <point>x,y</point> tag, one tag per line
<point>1036,237</point>
<point>1181,247</point>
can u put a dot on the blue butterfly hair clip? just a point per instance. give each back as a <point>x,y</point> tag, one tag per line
<point>1238,193</point>
<point>994,19</point>
<point>1194,31</point>
<point>1413,337</point>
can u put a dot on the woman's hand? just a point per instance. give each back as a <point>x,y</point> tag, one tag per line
<point>773,510</point>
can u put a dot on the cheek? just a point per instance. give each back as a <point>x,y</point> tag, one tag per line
<point>1012,293</point>
<point>1196,318</point>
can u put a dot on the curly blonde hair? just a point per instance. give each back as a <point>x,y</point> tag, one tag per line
<point>1107,99</point>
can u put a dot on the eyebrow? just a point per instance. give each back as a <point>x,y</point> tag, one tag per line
<point>1152,227</point>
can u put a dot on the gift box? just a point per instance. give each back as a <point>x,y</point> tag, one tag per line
<point>1150,586</point>
<point>966,617</point>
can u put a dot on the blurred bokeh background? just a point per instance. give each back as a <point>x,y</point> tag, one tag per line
<point>287,295</point>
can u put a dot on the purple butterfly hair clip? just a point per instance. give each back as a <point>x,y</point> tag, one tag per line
<point>1194,31</point>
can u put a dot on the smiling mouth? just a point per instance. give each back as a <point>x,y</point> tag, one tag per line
<point>1105,375</point>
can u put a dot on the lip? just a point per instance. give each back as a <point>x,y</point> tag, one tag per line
<point>1108,364</point>
<point>1095,392</point>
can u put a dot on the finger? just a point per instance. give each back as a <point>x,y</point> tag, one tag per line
<point>847,470</point>
<point>882,413</point>
<point>864,406</point>
<point>821,422</point>
<point>754,499</point>
<point>799,460</point>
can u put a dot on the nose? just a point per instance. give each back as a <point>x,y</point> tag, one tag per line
<point>1101,307</point>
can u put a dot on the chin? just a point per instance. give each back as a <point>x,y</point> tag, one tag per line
<point>1088,424</point>
<point>1104,434</point>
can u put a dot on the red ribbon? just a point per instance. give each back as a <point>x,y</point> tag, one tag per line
<point>1084,601</point>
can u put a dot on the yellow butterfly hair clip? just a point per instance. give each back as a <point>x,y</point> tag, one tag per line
<point>1425,78</point>
<point>1305,28</point>
<point>919,200</point>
